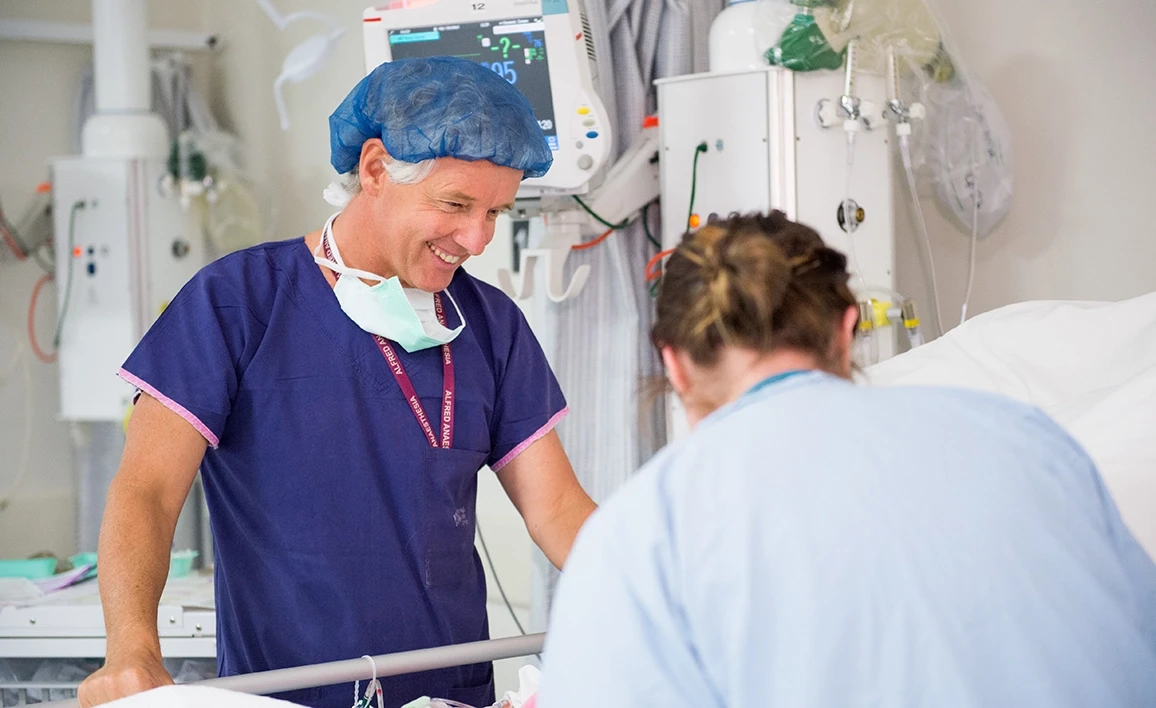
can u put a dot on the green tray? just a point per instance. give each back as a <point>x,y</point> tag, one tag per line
<point>31,568</point>
<point>181,562</point>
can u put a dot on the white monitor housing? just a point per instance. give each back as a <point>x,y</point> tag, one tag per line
<point>543,47</point>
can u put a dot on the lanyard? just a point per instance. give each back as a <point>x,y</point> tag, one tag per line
<point>772,380</point>
<point>403,380</point>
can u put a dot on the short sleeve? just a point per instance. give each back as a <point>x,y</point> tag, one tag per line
<point>529,400</point>
<point>191,358</point>
<point>617,635</point>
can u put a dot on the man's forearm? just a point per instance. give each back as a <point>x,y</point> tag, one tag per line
<point>134,561</point>
<point>555,534</point>
<point>544,489</point>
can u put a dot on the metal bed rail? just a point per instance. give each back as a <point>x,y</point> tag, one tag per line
<point>351,670</point>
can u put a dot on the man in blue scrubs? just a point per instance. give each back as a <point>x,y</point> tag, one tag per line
<point>340,393</point>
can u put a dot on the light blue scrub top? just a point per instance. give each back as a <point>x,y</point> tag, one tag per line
<point>819,544</point>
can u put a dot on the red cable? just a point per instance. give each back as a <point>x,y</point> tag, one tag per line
<point>651,272</point>
<point>46,358</point>
<point>592,244</point>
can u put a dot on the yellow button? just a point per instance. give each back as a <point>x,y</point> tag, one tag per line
<point>583,111</point>
<point>694,221</point>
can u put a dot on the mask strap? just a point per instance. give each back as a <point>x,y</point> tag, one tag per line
<point>461,317</point>
<point>337,265</point>
<point>326,233</point>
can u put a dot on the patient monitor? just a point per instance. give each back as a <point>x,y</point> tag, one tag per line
<point>543,47</point>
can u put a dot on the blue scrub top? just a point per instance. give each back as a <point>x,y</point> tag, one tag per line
<point>338,531</point>
<point>824,545</point>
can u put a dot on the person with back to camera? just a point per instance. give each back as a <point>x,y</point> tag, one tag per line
<point>817,544</point>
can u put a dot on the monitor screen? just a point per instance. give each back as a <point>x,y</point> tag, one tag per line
<point>513,49</point>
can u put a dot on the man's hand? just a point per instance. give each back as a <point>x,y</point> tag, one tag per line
<point>123,676</point>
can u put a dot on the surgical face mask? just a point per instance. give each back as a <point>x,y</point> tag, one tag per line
<point>403,315</point>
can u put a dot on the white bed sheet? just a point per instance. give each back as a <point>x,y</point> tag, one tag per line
<point>1089,365</point>
<point>197,697</point>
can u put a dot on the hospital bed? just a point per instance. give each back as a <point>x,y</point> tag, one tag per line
<point>363,669</point>
<point>48,644</point>
<point>1091,366</point>
<point>65,630</point>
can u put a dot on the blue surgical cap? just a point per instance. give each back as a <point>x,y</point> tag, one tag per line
<point>439,107</point>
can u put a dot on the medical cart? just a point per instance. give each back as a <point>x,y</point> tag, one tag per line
<point>48,645</point>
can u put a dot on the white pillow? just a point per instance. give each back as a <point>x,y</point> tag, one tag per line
<point>1091,366</point>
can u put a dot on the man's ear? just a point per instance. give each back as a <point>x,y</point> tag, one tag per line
<point>371,167</point>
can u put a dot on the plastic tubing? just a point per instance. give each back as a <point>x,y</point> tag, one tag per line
<point>905,152</point>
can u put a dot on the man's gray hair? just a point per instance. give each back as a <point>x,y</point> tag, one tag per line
<point>399,172</point>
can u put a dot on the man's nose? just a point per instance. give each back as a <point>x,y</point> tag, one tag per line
<point>475,236</point>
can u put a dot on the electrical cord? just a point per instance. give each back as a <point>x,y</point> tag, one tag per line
<point>599,219</point>
<point>613,227</point>
<point>76,206</point>
<point>653,271</point>
<point>46,266</point>
<point>43,356</point>
<point>593,243</point>
<point>498,582</point>
<point>971,255</point>
<point>654,266</point>
<point>646,226</point>
<point>698,150</point>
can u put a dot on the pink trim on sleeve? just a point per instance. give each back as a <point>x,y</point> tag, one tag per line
<point>538,435</point>
<point>171,405</point>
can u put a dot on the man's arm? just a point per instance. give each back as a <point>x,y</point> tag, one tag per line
<point>162,454</point>
<point>542,485</point>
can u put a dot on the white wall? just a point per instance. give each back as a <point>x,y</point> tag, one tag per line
<point>1074,81</point>
<point>294,163</point>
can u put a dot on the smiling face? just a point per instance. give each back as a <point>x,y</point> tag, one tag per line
<point>424,232</point>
